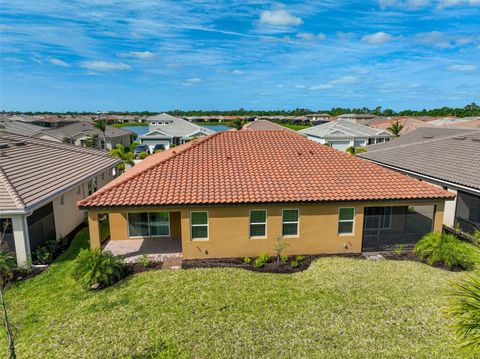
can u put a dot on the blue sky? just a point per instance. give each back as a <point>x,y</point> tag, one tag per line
<point>100,55</point>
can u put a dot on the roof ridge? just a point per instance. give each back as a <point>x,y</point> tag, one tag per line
<point>108,188</point>
<point>429,140</point>
<point>10,189</point>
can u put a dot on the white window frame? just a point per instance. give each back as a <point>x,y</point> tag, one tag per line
<point>199,225</point>
<point>346,220</point>
<point>297,222</point>
<point>148,226</point>
<point>250,223</point>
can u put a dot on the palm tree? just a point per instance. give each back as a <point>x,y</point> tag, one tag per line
<point>355,151</point>
<point>124,154</point>
<point>101,125</point>
<point>395,128</point>
<point>237,124</point>
<point>465,309</point>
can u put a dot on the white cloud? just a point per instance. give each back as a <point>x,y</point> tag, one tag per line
<point>191,81</point>
<point>462,68</point>
<point>344,80</point>
<point>144,55</point>
<point>58,62</point>
<point>377,38</point>
<point>452,3</point>
<point>421,4</point>
<point>299,86</point>
<point>237,72</point>
<point>321,87</point>
<point>339,81</point>
<point>405,4</point>
<point>279,17</point>
<point>308,36</point>
<point>435,39</point>
<point>105,66</point>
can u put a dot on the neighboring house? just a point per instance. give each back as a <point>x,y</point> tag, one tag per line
<point>20,128</point>
<point>235,193</point>
<point>49,121</point>
<point>446,157</point>
<point>318,118</point>
<point>470,122</point>
<point>40,184</point>
<point>409,124</point>
<point>81,133</point>
<point>360,118</point>
<point>264,125</point>
<point>342,134</point>
<point>167,130</point>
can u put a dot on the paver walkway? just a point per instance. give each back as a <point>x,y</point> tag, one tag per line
<point>157,249</point>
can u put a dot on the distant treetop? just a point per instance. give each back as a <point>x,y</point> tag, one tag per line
<point>469,110</point>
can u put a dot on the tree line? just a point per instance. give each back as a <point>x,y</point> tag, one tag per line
<point>469,110</point>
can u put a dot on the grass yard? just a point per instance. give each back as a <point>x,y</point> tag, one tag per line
<point>339,308</point>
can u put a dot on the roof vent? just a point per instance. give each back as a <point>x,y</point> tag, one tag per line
<point>427,136</point>
<point>3,145</point>
<point>19,143</point>
<point>459,138</point>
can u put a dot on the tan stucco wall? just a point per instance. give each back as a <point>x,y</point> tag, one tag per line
<point>67,215</point>
<point>229,229</point>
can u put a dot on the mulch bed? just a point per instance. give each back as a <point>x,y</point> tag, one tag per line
<point>406,255</point>
<point>23,274</point>
<point>270,267</point>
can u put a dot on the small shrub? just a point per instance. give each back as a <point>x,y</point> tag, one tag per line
<point>465,310</point>
<point>261,260</point>
<point>42,255</point>
<point>398,250</point>
<point>94,268</point>
<point>247,260</point>
<point>142,155</point>
<point>284,259</point>
<point>296,261</point>
<point>7,265</point>
<point>445,250</point>
<point>145,261</point>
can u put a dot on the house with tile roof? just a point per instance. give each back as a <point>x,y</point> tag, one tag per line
<point>445,157</point>
<point>40,184</point>
<point>235,193</point>
<point>342,134</point>
<point>80,133</point>
<point>19,127</point>
<point>167,130</point>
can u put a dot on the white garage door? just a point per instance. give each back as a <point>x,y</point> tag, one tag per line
<point>340,145</point>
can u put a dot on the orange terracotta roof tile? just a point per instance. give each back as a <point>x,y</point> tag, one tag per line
<point>235,167</point>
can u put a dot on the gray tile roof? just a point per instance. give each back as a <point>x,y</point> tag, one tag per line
<point>32,170</point>
<point>86,128</point>
<point>342,129</point>
<point>446,154</point>
<point>177,127</point>
<point>20,128</point>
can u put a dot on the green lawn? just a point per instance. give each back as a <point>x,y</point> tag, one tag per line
<point>339,308</point>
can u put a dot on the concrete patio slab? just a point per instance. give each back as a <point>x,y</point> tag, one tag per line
<point>155,248</point>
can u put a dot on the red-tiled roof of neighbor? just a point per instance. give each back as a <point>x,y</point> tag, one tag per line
<point>236,167</point>
<point>264,125</point>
